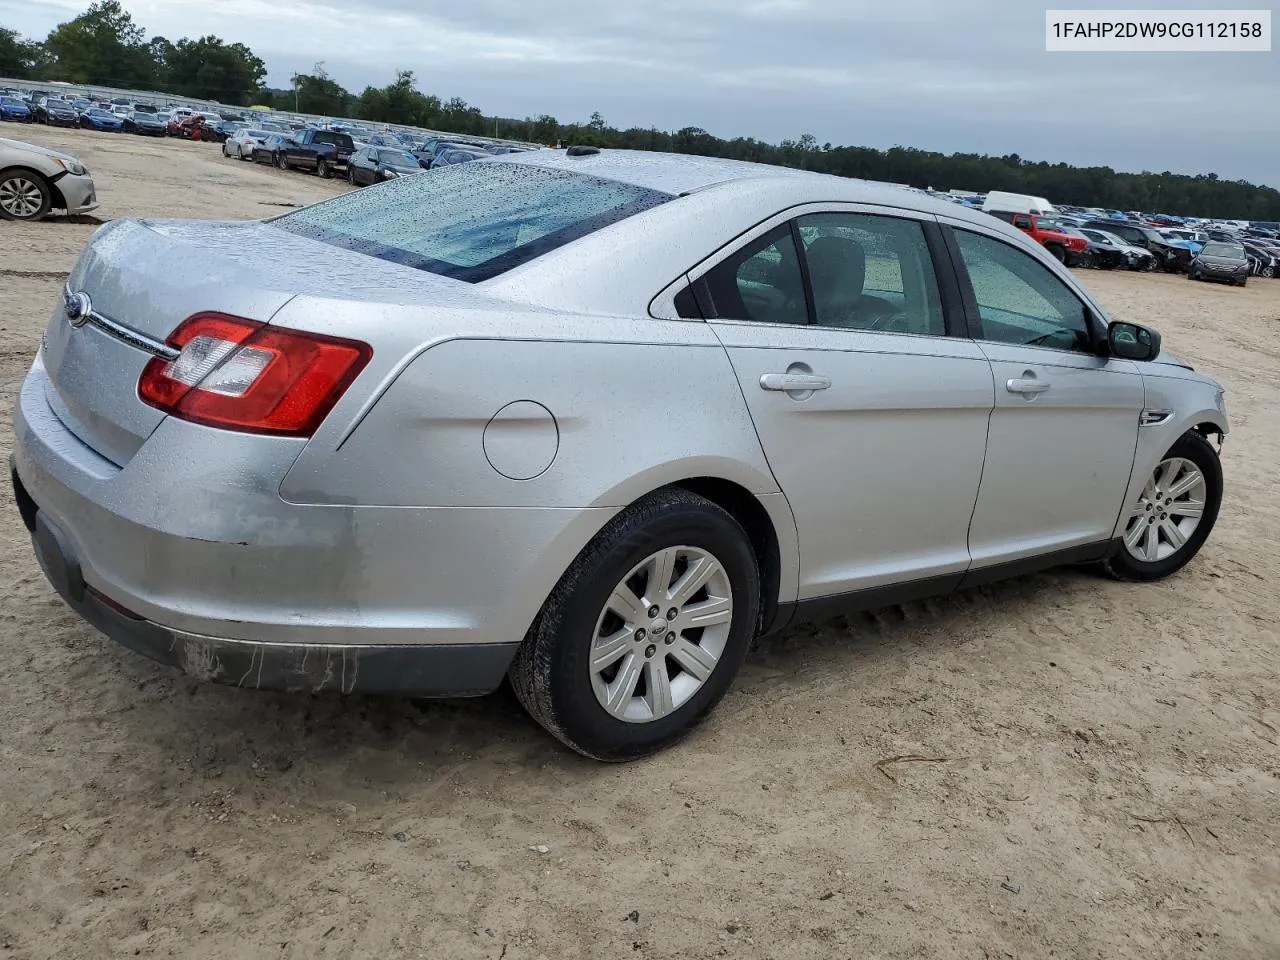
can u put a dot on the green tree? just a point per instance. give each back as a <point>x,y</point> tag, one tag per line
<point>400,102</point>
<point>102,45</point>
<point>318,93</point>
<point>210,69</point>
<point>18,57</point>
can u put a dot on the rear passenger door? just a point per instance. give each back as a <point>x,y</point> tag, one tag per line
<point>872,415</point>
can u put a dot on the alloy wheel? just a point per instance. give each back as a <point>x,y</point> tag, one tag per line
<point>1167,512</point>
<point>20,197</point>
<point>661,634</point>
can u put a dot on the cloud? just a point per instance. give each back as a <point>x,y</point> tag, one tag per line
<point>937,74</point>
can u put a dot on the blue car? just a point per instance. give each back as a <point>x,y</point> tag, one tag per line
<point>95,118</point>
<point>11,108</point>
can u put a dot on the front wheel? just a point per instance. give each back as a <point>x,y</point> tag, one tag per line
<point>646,630</point>
<point>24,195</point>
<point>1267,272</point>
<point>1174,513</point>
<point>280,162</point>
<point>1059,254</point>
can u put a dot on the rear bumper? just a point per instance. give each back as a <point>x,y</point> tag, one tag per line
<point>427,670</point>
<point>193,540</point>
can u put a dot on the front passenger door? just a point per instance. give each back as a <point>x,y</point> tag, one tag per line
<point>872,418</point>
<point>1065,425</point>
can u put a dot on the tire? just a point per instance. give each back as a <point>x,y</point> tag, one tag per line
<point>24,195</point>
<point>1059,254</point>
<point>322,168</point>
<point>351,175</point>
<point>280,162</point>
<point>1191,448</point>
<point>1244,281</point>
<point>552,675</point>
<point>1267,272</point>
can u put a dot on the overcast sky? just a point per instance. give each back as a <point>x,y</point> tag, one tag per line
<point>948,75</point>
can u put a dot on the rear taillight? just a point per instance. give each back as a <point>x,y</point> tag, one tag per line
<point>243,375</point>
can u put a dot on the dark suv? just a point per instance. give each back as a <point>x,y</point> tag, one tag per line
<point>1172,259</point>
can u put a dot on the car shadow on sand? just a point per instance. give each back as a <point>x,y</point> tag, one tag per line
<point>387,740</point>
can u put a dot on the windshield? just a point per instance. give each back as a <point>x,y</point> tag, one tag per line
<point>1097,236</point>
<point>1228,251</point>
<point>471,221</point>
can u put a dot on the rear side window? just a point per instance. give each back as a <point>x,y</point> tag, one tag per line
<point>337,139</point>
<point>471,221</point>
<point>761,282</point>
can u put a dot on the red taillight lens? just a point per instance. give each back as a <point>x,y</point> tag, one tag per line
<point>242,375</point>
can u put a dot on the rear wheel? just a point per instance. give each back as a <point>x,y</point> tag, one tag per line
<point>24,195</point>
<point>645,632</point>
<point>1173,515</point>
<point>322,168</point>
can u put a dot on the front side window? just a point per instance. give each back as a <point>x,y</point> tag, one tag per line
<point>1020,301</point>
<point>471,221</point>
<point>760,282</point>
<point>870,272</point>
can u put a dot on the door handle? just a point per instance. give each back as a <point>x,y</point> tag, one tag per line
<point>1027,386</point>
<point>793,382</point>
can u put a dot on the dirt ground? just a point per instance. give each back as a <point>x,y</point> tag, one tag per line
<point>1102,781</point>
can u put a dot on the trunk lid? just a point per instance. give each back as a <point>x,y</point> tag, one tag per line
<point>150,275</point>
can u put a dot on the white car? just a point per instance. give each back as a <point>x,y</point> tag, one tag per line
<point>34,181</point>
<point>241,144</point>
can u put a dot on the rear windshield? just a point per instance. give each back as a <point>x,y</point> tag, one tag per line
<point>471,221</point>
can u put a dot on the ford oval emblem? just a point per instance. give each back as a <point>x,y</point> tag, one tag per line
<point>77,307</point>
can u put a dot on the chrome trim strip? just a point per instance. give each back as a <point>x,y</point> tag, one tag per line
<point>126,334</point>
<point>1151,418</point>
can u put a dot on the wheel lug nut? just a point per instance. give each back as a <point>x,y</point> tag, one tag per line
<point>650,650</point>
<point>653,612</point>
<point>640,634</point>
<point>671,637</point>
<point>672,614</point>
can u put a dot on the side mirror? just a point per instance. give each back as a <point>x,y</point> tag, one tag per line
<point>1129,341</point>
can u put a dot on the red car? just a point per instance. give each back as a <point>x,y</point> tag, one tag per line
<point>189,128</point>
<point>1070,248</point>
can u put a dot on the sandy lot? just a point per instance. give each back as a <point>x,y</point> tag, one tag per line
<point>1111,786</point>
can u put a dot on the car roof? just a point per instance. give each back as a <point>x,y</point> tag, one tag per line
<point>684,173</point>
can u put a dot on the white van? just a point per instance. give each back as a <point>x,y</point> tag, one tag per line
<point>1017,203</point>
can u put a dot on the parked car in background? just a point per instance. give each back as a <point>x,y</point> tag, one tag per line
<point>435,146</point>
<point>220,131</point>
<point>324,151</point>
<point>370,165</point>
<point>456,155</point>
<point>1226,262</point>
<point>95,118</point>
<point>1263,261</point>
<point>271,150</point>
<point>147,124</point>
<point>1172,256</point>
<point>15,109</point>
<point>241,144</point>
<point>319,422</point>
<point>1044,230</point>
<point>35,180</point>
<point>1115,252</point>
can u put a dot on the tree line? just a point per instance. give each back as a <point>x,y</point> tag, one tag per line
<point>105,46</point>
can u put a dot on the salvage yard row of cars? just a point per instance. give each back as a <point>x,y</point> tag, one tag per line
<point>1076,236</point>
<point>1094,237</point>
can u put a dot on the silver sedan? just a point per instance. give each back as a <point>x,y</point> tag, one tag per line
<point>34,180</point>
<point>590,420</point>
